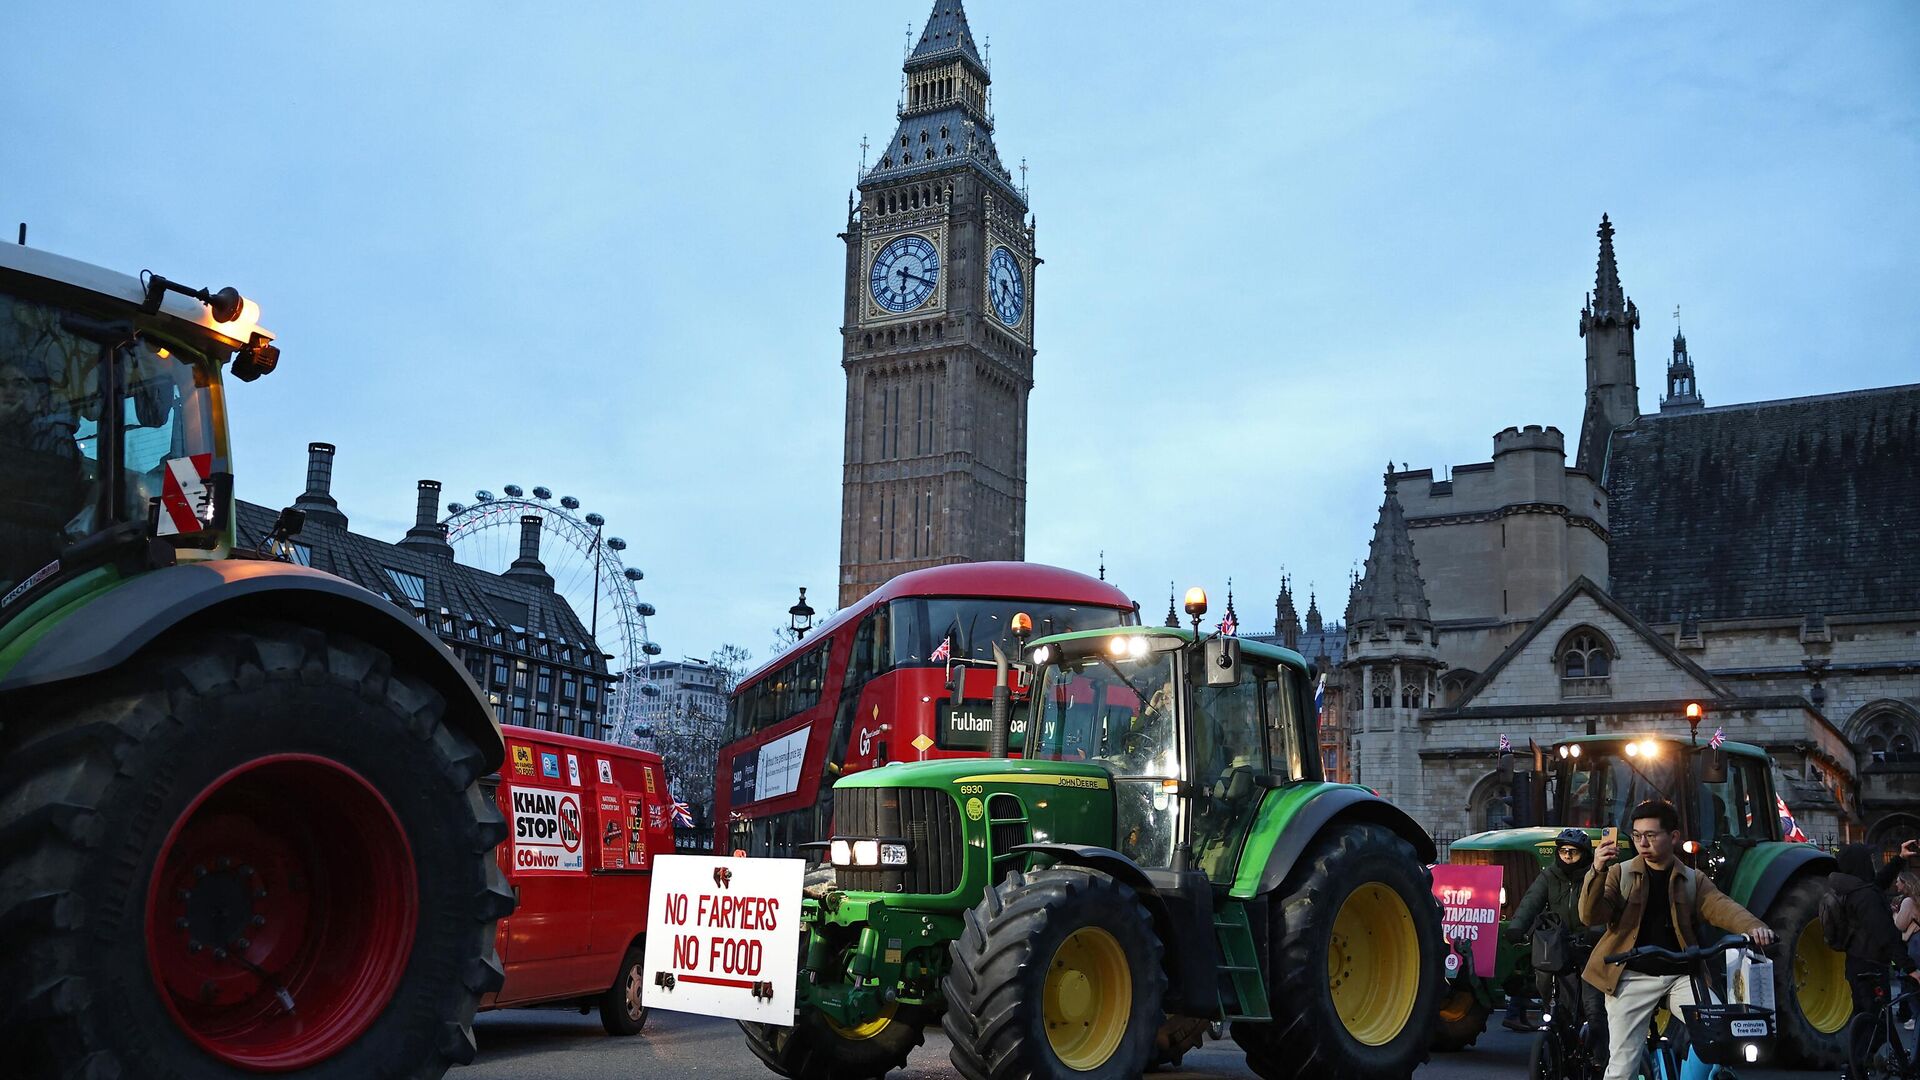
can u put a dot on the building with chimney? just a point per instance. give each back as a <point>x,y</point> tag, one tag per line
<point>937,329</point>
<point>1752,557</point>
<point>519,639</point>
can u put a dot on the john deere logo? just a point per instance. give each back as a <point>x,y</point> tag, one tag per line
<point>975,809</point>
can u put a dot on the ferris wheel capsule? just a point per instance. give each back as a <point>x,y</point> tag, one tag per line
<point>617,544</point>
<point>543,493</point>
<point>596,520</point>
<point>483,495</point>
<point>513,490</point>
<point>569,502</point>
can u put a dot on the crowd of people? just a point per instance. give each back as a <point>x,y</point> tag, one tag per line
<point>1603,907</point>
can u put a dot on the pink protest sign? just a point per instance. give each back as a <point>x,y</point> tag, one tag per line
<point>1470,899</point>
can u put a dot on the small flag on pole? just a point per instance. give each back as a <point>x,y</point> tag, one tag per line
<point>682,814</point>
<point>1228,626</point>
<point>1506,744</point>
<point>944,652</point>
<point>1719,736</point>
<point>1320,698</point>
<point>1789,827</point>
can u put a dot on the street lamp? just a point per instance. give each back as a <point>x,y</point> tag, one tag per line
<point>801,616</point>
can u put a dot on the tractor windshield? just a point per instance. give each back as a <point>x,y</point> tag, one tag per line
<point>54,473</point>
<point>1117,711</point>
<point>1603,785</point>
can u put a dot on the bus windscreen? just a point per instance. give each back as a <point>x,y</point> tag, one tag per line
<point>970,627</point>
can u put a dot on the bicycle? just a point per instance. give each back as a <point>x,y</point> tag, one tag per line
<point>1710,1033</point>
<point>1569,1047</point>
<point>1889,1047</point>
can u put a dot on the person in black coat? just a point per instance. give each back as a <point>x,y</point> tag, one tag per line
<point>1557,892</point>
<point>1873,944</point>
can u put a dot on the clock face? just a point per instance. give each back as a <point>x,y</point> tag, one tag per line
<point>1005,287</point>
<point>904,273</point>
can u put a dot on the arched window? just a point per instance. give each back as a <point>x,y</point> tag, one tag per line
<point>1381,689</point>
<point>1488,807</point>
<point>1585,654</point>
<point>1886,730</point>
<point>1410,693</point>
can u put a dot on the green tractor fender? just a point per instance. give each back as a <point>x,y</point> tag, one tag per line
<point>1181,904</point>
<point>1291,819</point>
<point>104,631</point>
<point>1768,869</point>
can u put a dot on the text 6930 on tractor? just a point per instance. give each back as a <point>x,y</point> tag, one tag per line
<point>1730,818</point>
<point>1163,856</point>
<point>240,829</point>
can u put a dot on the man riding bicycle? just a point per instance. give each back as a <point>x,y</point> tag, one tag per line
<point>1651,899</point>
<point>1556,892</point>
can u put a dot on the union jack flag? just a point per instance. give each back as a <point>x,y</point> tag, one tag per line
<point>682,814</point>
<point>1228,625</point>
<point>945,651</point>
<point>1506,744</point>
<point>1320,697</point>
<point>1787,824</point>
<point>1719,736</point>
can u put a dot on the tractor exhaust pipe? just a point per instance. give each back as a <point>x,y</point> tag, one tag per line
<point>1002,705</point>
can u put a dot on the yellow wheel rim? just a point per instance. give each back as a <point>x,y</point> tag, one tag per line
<point>1373,964</point>
<point>1087,998</point>
<point>863,1032</point>
<point>1820,981</point>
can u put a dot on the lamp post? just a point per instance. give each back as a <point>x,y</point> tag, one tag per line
<point>800,616</point>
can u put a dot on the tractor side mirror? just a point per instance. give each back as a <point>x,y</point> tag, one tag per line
<point>956,685</point>
<point>1713,767</point>
<point>1220,661</point>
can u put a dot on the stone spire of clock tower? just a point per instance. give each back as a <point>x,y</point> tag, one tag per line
<point>937,330</point>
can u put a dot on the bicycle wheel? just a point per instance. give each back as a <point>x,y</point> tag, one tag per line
<point>1874,1057</point>
<point>1549,1060</point>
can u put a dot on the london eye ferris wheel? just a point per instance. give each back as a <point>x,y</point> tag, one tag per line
<point>588,572</point>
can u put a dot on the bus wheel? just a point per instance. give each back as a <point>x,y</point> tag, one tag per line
<point>816,1048</point>
<point>1057,974</point>
<point>1463,1019</point>
<point>1357,961</point>
<point>623,1008</point>
<point>1809,980</point>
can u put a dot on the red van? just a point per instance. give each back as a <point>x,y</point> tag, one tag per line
<point>585,820</point>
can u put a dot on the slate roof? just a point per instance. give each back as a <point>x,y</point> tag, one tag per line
<point>1391,588</point>
<point>448,586</point>
<point>946,34</point>
<point>1772,508</point>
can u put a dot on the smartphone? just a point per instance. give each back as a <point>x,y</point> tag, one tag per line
<point>1610,835</point>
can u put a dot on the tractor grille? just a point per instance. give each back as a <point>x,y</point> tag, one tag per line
<point>1518,869</point>
<point>927,817</point>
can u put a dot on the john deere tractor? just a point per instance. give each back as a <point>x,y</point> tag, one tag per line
<point>1163,857</point>
<point>1732,830</point>
<point>239,825</point>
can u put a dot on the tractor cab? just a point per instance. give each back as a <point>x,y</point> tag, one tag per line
<point>1193,729</point>
<point>1724,793</point>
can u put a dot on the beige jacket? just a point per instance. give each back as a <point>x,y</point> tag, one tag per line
<point>1618,898</point>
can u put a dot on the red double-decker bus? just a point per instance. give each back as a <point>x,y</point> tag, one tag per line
<point>874,684</point>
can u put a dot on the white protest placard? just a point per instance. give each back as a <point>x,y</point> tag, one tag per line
<point>546,831</point>
<point>723,937</point>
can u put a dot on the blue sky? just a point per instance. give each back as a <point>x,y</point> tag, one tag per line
<point>593,247</point>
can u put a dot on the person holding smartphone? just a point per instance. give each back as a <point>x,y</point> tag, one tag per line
<point>1651,899</point>
<point>1863,917</point>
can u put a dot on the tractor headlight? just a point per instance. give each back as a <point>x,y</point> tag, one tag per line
<point>866,853</point>
<point>840,853</point>
<point>892,854</point>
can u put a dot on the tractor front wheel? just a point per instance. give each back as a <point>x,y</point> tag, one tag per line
<point>1058,974</point>
<point>1812,998</point>
<point>816,1048</point>
<point>260,850</point>
<point>1463,1019</point>
<point>1357,952</point>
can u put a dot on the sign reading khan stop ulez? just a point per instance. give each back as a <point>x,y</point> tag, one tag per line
<point>723,937</point>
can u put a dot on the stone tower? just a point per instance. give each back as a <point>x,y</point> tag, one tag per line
<point>1392,663</point>
<point>937,335</point>
<point>1613,395</point>
<point>1683,389</point>
<point>1286,620</point>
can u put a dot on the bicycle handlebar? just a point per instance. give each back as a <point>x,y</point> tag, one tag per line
<point>1687,956</point>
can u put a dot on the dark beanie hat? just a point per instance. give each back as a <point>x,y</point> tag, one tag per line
<point>1857,859</point>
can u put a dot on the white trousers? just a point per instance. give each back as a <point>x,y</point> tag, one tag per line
<point>1629,1009</point>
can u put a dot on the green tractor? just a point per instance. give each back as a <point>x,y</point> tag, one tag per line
<point>1734,832</point>
<point>1164,857</point>
<point>240,825</point>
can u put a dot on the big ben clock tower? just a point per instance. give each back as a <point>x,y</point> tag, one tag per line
<point>937,337</point>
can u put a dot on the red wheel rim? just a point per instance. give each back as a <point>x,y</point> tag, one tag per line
<point>287,881</point>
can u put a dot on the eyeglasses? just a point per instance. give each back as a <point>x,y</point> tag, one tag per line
<point>1646,837</point>
<point>1571,853</point>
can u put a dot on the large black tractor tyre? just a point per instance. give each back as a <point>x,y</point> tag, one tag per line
<point>1812,999</point>
<point>816,1048</point>
<point>1057,975</point>
<point>623,1008</point>
<point>1356,980</point>
<point>258,849</point>
<point>1462,1019</point>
